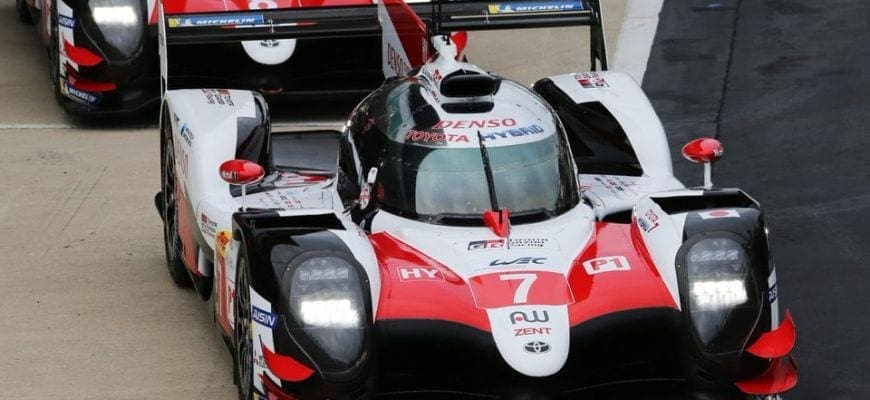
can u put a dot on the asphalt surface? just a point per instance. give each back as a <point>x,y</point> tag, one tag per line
<point>785,86</point>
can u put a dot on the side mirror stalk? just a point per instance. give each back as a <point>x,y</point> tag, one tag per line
<point>242,173</point>
<point>704,151</point>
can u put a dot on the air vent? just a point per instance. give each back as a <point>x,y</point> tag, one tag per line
<point>465,84</point>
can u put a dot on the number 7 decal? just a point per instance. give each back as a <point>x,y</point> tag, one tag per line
<point>525,287</point>
<point>521,296</point>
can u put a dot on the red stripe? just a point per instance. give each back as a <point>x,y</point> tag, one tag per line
<point>446,299</point>
<point>780,377</point>
<point>609,292</point>
<point>154,14</point>
<point>778,342</point>
<point>199,6</point>
<point>285,367</point>
<point>451,299</point>
<point>80,83</point>
<point>460,39</point>
<point>185,232</point>
<point>80,55</point>
<point>411,30</point>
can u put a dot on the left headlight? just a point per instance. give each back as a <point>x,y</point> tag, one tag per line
<point>120,22</point>
<point>326,298</point>
<point>719,285</point>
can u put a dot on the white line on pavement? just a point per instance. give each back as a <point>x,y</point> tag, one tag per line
<point>636,37</point>
<point>34,126</point>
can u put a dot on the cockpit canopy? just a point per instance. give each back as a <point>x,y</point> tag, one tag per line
<point>432,164</point>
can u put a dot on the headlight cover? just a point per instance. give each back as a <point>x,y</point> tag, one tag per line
<point>120,22</point>
<point>719,279</point>
<point>326,299</point>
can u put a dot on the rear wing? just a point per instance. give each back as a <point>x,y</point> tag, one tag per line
<point>440,16</point>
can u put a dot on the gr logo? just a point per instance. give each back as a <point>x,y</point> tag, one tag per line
<point>606,264</point>
<point>538,316</point>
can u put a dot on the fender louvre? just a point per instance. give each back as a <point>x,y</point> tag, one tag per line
<point>716,198</point>
<point>598,141</point>
<point>267,220</point>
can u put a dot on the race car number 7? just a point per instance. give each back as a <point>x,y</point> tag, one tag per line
<point>501,289</point>
<point>521,296</point>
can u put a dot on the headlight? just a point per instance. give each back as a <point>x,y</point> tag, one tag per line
<point>120,22</point>
<point>326,298</point>
<point>718,271</point>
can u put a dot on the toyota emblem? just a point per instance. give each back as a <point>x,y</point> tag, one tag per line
<point>537,347</point>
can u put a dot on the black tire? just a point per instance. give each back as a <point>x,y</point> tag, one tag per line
<point>171,239</point>
<point>54,58</point>
<point>23,12</point>
<point>243,341</point>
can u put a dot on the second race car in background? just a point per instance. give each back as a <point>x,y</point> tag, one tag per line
<point>103,54</point>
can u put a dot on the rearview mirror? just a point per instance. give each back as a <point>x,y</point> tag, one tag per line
<point>704,151</point>
<point>243,173</point>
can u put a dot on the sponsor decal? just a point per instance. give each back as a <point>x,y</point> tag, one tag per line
<point>539,316</point>
<point>79,95</point>
<point>532,331</point>
<point>66,22</point>
<point>396,62</point>
<point>648,221</point>
<point>365,195</point>
<point>407,274</point>
<point>285,199</point>
<point>186,134</point>
<point>519,243</point>
<point>606,264</point>
<point>208,226</point>
<point>265,318</point>
<point>591,80</point>
<point>519,261</point>
<point>719,214</point>
<point>501,289</point>
<point>218,96</point>
<point>534,6</point>
<point>486,244</point>
<point>215,20</point>
<point>618,187</point>
<point>222,240</point>
<point>537,347</point>
<point>476,123</point>
<point>772,294</point>
<point>437,76</point>
<point>437,137</point>
<point>518,132</point>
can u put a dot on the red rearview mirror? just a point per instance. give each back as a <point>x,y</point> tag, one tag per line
<point>241,172</point>
<point>703,150</point>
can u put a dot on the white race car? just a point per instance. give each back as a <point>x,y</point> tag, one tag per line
<point>465,236</point>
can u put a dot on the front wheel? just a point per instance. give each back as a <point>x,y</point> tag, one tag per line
<point>243,355</point>
<point>171,239</point>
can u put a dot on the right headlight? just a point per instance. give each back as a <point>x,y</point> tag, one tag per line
<point>720,284</point>
<point>325,295</point>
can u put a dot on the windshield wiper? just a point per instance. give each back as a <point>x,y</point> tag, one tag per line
<point>487,168</point>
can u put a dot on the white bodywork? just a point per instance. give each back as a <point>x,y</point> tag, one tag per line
<point>204,131</point>
<point>204,124</point>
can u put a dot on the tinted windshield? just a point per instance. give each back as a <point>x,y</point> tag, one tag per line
<point>433,184</point>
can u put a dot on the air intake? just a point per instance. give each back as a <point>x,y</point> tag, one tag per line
<point>468,84</point>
